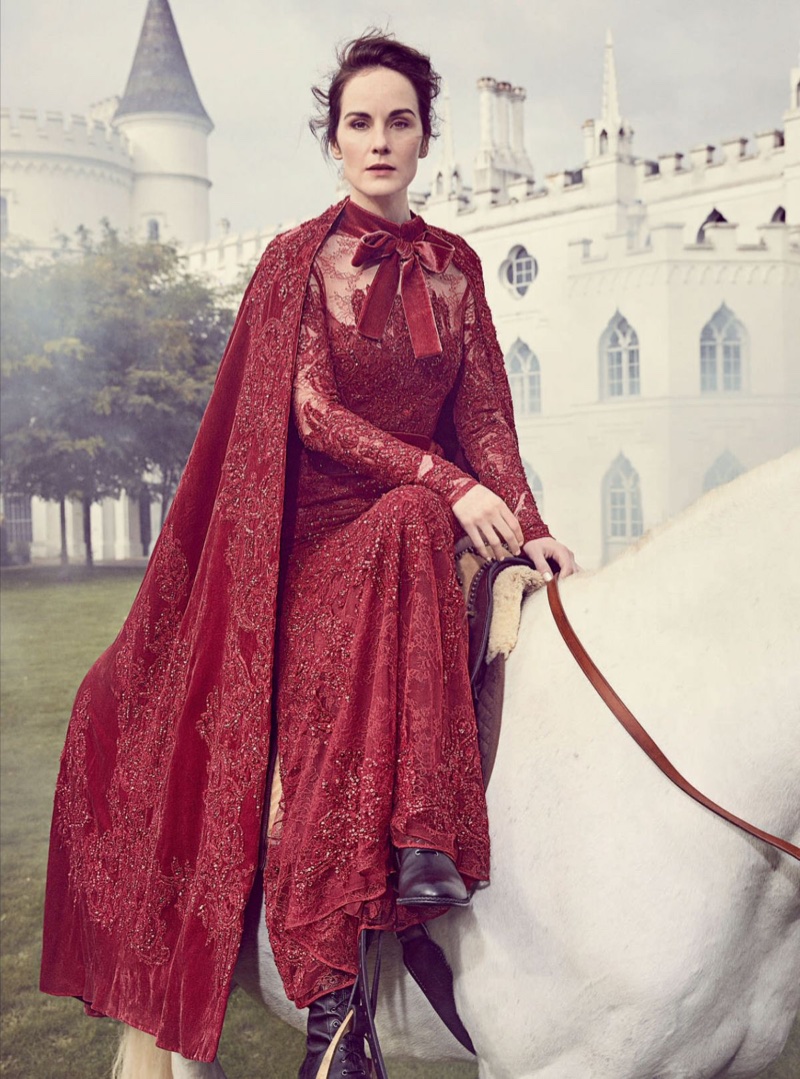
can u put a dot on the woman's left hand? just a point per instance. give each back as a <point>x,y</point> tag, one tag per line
<point>539,550</point>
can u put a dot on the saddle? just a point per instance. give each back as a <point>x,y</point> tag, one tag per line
<point>493,592</point>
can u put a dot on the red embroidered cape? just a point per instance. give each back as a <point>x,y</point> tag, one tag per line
<point>158,806</point>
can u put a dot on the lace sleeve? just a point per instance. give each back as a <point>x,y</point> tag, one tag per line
<point>325,425</point>
<point>485,428</point>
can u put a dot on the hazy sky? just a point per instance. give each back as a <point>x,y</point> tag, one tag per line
<point>689,71</point>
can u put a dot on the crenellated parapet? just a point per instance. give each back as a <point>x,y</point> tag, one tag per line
<point>60,173</point>
<point>45,136</point>
<point>612,175</point>
<point>726,251</point>
<point>231,255</point>
<point>731,160</point>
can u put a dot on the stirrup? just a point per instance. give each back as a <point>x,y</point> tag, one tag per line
<point>369,1000</point>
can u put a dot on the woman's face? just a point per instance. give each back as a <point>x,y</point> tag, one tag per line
<point>379,140</point>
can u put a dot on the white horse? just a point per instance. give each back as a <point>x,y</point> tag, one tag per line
<point>627,932</point>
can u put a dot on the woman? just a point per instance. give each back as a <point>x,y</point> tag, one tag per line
<point>318,489</point>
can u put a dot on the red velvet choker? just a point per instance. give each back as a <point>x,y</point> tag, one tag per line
<point>404,252</point>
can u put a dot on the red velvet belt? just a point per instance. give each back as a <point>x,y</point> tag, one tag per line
<point>321,462</point>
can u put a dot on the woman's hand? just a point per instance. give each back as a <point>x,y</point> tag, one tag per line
<point>490,525</point>
<point>488,522</point>
<point>539,550</point>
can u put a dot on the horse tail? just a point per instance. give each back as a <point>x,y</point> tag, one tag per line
<point>138,1057</point>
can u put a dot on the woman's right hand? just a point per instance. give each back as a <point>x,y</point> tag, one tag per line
<point>488,522</point>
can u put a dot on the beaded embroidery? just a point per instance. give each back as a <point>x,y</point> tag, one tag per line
<point>159,799</point>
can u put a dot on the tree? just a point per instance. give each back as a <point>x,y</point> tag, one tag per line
<point>109,353</point>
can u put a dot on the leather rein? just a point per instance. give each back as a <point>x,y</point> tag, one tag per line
<point>637,731</point>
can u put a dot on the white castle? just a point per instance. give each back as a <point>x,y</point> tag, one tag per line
<point>649,310</point>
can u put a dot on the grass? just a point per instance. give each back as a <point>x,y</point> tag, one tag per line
<point>54,626</point>
<point>52,629</point>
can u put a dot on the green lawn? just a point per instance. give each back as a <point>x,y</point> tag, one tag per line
<point>52,629</point>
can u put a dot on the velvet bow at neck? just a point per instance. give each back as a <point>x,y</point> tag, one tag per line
<point>404,253</point>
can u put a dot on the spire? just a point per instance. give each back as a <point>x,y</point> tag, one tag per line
<point>160,79</point>
<point>611,118</point>
<point>446,173</point>
<point>610,136</point>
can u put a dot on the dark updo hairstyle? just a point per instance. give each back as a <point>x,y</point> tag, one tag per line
<point>374,49</point>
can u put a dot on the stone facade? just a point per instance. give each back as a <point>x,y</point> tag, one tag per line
<point>648,310</point>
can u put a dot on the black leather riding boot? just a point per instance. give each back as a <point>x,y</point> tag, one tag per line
<point>429,878</point>
<point>325,1019</point>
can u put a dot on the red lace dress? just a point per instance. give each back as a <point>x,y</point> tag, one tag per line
<point>376,731</point>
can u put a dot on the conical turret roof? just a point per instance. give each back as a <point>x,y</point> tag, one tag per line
<point>160,79</point>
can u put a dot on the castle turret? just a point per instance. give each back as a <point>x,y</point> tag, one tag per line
<point>163,118</point>
<point>608,145</point>
<point>612,135</point>
<point>59,172</point>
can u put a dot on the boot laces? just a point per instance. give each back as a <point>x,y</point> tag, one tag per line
<point>351,1052</point>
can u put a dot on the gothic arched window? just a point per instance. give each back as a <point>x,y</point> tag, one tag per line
<point>779,217</point>
<point>535,484</point>
<point>524,377</point>
<point>619,359</point>
<point>603,142</point>
<point>721,353</point>
<point>622,506</point>
<point>153,230</point>
<point>723,470</point>
<point>519,270</point>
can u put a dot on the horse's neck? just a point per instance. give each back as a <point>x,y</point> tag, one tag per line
<point>736,537</point>
<point>721,582</point>
<point>697,629</point>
